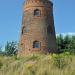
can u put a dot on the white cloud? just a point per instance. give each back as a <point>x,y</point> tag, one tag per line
<point>64,34</point>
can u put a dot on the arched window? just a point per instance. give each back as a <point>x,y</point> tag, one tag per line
<point>36,44</point>
<point>37,12</point>
<point>23,30</point>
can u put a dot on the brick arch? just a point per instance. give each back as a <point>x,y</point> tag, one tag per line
<point>37,12</point>
<point>36,44</point>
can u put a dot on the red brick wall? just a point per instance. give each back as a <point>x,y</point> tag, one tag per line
<point>34,28</point>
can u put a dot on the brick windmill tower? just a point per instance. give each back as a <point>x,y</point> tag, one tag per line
<point>37,32</point>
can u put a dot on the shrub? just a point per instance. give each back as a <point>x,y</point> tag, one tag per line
<point>59,60</point>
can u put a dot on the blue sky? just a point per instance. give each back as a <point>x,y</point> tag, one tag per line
<point>11,18</point>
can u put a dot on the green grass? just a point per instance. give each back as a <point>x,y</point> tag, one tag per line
<point>38,64</point>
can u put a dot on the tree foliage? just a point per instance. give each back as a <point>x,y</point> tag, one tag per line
<point>66,43</point>
<point>11,48</point>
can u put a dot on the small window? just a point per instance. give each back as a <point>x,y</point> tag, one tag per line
<point>36,44</point>
<point>23,30</point>
<point>37,12</point>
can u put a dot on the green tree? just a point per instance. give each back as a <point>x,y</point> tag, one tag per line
<point>60,43</point>
<point>72,45</point>
<point>67,41</point>
<point>11,48</point>
<point>0,50</point>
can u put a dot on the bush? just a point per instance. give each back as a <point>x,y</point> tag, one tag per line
<point>59,60</point>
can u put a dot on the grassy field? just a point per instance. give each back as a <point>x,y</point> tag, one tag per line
<point>38,64</point>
